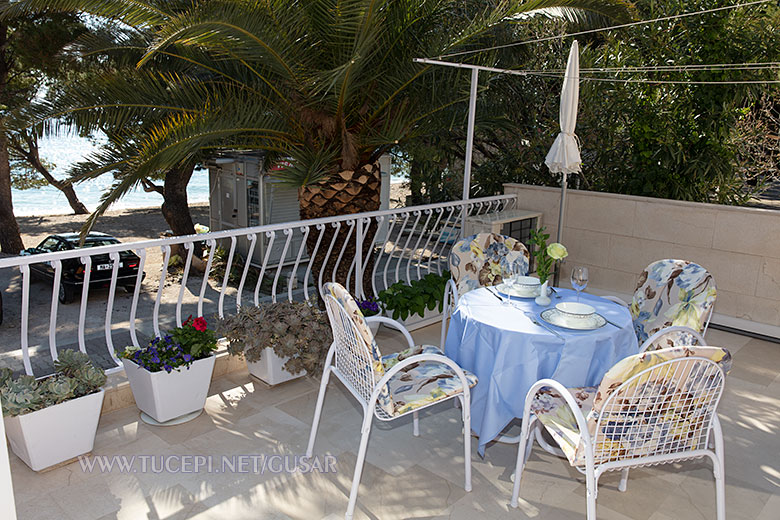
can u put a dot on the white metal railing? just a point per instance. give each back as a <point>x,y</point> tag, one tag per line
<point>409,243</point>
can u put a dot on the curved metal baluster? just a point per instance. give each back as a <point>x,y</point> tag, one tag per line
<point>136,293</point>
<point>57,265</point>
<point>212,244</point>
<point>428,240</point>
<point>110,306</point>
<point>337,226</point>
<point>439,242</point>
<point>228,268</point>
<point>446,245</point>
<point>406,246</point>
<point>24,339</point>
<point>359,237</point>
<point>313,255</point>
<point>294,275</point>
<point>271,235</point>
<point>380,220</point>
<point>289,232</point>
<point>395,246</point>
<point>87,261</point>
<point>166,250</point>
<point>187,264</point>
<point>252,237</point>
<point>417,245</point>
<point>351,224</point>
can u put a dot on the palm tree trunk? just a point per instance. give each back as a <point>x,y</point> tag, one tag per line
<point>176,209</point>
<point>10,239</point>
<point>346,193</point>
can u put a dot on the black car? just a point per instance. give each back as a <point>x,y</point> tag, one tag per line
<point>73,270</point>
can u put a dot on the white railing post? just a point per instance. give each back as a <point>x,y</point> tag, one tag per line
<point>7,507</point>
<point>359,238</point>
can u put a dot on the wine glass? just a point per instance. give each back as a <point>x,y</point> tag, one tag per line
<point>579,279</point>
<point>517,272</point>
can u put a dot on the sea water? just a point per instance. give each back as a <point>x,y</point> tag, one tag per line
<point>65,150</point>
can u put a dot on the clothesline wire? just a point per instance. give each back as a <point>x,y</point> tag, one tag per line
<point>621,26</point>
<point>654,81</point>
<point>717,67</point>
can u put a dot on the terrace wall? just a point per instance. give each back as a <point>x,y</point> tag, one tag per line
<point>617,236</point>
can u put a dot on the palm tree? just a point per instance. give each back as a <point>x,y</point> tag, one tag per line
<point>330,84</point>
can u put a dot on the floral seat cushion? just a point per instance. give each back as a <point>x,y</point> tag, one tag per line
<point>485,260</point>
<point>420,384</point>
<point>673,338</point>
<point>639,431</point>
<point>672,292</point>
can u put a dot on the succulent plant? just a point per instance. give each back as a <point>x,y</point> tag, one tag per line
<point>76,376</point>
<point>69,361</point>
<point>58,389</point>
<point>21,396</point>
<point>295,330</point>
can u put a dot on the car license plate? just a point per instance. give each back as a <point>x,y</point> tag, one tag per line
<point>106,267</point>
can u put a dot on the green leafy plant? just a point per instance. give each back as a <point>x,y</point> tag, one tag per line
<point>294,330</point>
<point>405,300</point>
<point>75,376</point>
<point>546,255</point>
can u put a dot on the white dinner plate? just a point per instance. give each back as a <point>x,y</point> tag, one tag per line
<point>519,291</point>
<point>592,322</point>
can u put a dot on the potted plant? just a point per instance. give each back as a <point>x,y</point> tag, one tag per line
<point>280,341</point>
<point>170,377</point>
<point>54,419</point>
<point>423,298</point>
<point>370,307</point>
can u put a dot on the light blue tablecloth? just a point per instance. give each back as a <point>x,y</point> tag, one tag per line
<point>508,353</point>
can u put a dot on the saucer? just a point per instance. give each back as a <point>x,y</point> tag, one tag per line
<point>591,322</point>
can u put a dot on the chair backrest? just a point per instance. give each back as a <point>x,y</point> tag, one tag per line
<point>357,356</point>
<point>671,337</point>
<point>670,293</point>
<point>659,402</point>
<point>486,259</point>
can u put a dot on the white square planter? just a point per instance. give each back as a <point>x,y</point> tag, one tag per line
<point>57,433</point>
<point>269,368</point>
<point>165,396</point>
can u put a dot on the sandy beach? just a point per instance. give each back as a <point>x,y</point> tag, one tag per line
<point>128,225</point>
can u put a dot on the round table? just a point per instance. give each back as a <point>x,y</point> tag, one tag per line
<point>509,353</point>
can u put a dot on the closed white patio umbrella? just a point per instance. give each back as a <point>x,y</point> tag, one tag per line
<point>564,155</point>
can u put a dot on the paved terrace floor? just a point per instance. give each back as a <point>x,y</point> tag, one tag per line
<point>404,477</point>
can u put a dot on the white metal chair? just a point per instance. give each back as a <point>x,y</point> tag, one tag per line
<point>481,260</point>
<point>675,294</point>
<point>388,387</point>
<point>652,408</point>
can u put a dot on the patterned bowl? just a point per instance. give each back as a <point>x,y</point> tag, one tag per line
<point>574,310</point>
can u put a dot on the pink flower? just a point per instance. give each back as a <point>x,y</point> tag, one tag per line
<point>200,324</point>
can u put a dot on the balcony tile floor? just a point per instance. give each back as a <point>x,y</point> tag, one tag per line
<point>404,477</point>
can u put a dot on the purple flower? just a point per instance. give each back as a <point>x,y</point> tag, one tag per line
<point>187,358</point>
<point>155,359</point>
<point>167,368</point>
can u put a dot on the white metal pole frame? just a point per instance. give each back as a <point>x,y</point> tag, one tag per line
<point>562,210</point>
<point>470,134</point>
<point>7,507</point>
<point>469,146</point>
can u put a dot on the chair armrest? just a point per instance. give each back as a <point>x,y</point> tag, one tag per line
<point>615,299</point>
<point>450,291</point>
<point>438,358</point>
<point>676,328</point>
<point>394,324</point>
<point>582,423</point>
